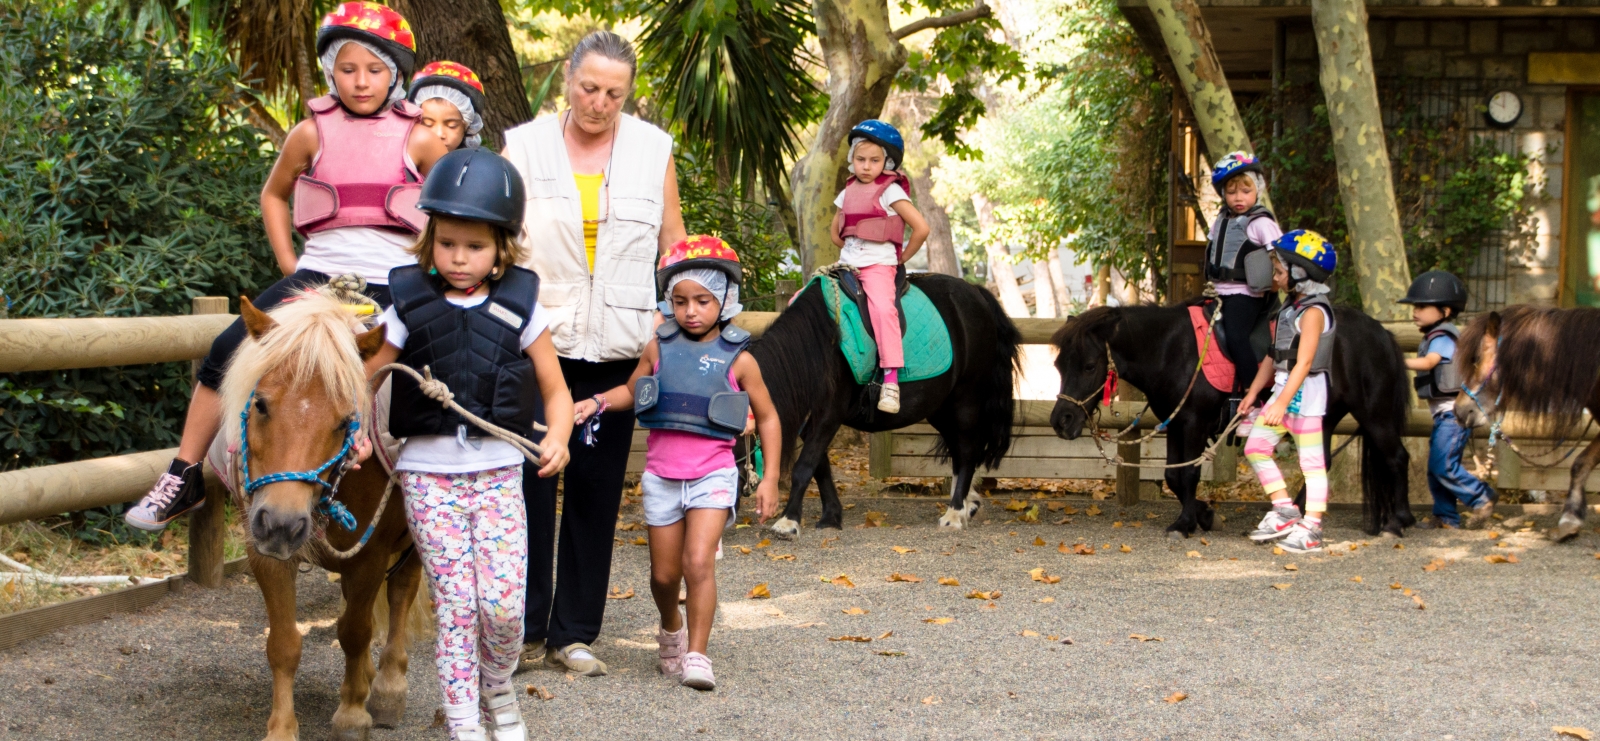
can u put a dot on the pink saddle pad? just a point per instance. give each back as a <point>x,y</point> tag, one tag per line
<point>1217,366</point>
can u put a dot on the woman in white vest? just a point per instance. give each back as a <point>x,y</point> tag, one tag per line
<point>602,205</point>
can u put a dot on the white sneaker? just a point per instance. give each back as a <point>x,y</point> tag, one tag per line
<point>505,715</point>
<point>889,399</point>
<point>697,672</point>
<point>1276,524</point>
<point>469,733</point>
<point>1303,537</point>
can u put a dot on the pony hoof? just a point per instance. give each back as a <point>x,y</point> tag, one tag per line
<point>351,734</point>
<point>1567,529</point>
<point>1177,535</point>
<point>785,528</point>
<point>387,710</point>
<point>953,519</point>
<point>830,523</point>
<point>1207,519</point>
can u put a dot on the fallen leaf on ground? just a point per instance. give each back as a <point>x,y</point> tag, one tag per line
<point>1281,587</point>
<point>1029,634</point>
<point>949,581</point>
<point>744,549</point>
<point>886,634</point>
<point>851,639</point>
<point>1054,506</point>
<point>1038,541</point>
<point>1356,579</point>
<point>1176,697</point>
<point>1501,558</point>
<point>1016,505</point>
<point>1126,548</point>
<point>1203,541</point>
<point>902,550</point>
<point>619,594</point>
<point>1031,515</point>
<point>764,543</point>
<point>1063,548</point>
<point>1149,515</point>
<point>1092,511</point>
<point>1045,601</point>
<point>1039,575</point>
<point>890,653</point>
<point>1083,549</point>
<point>541,693</point>
<point>631,526</point>
<point>1145,638</point>
<point>775,612</point>
<point>1399,546</point>
<point>988,606</point>
<point>875,519</point>
<point>641,541</point>
<point>930,700</point>
<point>1068,509</point>
<point>1407,592</point>
<point>828,542</point>
<point>1420,604</point>
<point>1276,551</point>
<point>1397,585</point>
<point>939,620</point>
<point>850,506</point>
<point>853,611</point>
<point>975,594</point>
<point>1434,565</point>
<point>810,625</point>
<point>842,581</point>
<point>1193,554</point>
<point>1573,732</point>
<point>1290,567</point>
<point>759,591</point>
<point>1118,523</point>
<point>438,715</point>
<point>897,576</point>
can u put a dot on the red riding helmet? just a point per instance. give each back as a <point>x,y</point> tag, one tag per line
<point>374,24</point>
<point>698,251</point>
<point>453,75</point>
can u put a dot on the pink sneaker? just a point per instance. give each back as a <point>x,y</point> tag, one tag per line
<point>671,650</point>
<point>697,672</point>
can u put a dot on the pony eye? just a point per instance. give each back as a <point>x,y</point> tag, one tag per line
<point>261,406</point>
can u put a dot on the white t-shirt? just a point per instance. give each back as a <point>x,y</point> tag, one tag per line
<point>1261,231</point>
<point>1312,397</point>
<point>364,250</point>
<point>445,453</point>
<point>860,253</point>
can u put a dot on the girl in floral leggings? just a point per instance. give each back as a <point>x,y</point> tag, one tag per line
<point>471,316</point>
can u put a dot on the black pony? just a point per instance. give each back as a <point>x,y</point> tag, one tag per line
<point>1154,349</point>
<point>815,392</point>
<point>1541,362</point>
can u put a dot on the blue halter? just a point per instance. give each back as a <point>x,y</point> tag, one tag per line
<point>335,510</point>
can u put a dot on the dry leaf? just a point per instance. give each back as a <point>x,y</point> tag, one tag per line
<point>1039,575</point>
<point>1281,587</point>
<point>1573,732</point>
<point>1193,554</point>
<point>1176,698</point>
<point>541,693</point>
<point>1290,567</point>
<point>1145,638</point>
<point>641,541</point>
<point>1032,515</point>
<point>1276,551</point>
<point>1038,541</point>
<point>930,700</point>
<point>759,591</point>
<point>781,556</point>
<point>1501,558</point>
<point>939,620</point>
<point>1029,634</point>
<point>828,542</point>
<point>890,653</point>
<point>1434,565</point>
<point>975,594</point>
<point>1356,579</point>
<point>949,581</point>
<point>851,639</point>
<point>619,594</point>
<point>764,543</point>
<point>1399,546</point>
<point>1083,549</point>
<point>1203,541</point>
<point>902,550</point>
<point>1054,506</point>
<point>886,634</point>
<point>1418,600</point>
<point>850,506</point>
<point>875,519</point>
<point>1118,523</point>
<point>1126,548</point>
<point>1407,592</point>
<point>853,611</point>
<point>897,576</point>
<point>810,625</point>
<point>1068,509</point>
<point>744,549</point>
<point>438,715</point>
<point>842,581</point>
<point>1063,548</point>
<point>1397,585</point>
<point>1016,505</point>
<point>1093,511</point>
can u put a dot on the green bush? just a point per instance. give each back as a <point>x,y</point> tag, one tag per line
<point>752,229</point>
<point>129,186</point>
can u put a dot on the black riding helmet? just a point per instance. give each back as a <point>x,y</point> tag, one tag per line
<point>1437,288</point>
<point>477,185</point>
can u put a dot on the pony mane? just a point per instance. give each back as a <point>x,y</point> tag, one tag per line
<point>797,362</point>
<point>1086,326</point>
<point>1546,361</point>
<point>314,342</point>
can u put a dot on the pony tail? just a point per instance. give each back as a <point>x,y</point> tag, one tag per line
<point>999,406</point>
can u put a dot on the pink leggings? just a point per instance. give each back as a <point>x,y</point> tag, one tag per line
<point>878,282</point>
<point>1307,433</point>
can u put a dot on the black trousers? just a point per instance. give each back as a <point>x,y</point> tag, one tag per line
<point>570,609</point>
<point>1239,316</point>
<point>227,343</point>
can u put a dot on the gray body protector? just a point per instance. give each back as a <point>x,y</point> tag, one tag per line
<point>1444,381</point>
<point>690,390</point>
<point>1234,257</point>
<point>1286,340</point>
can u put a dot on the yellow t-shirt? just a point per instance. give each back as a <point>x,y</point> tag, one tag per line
<point>589,195</point>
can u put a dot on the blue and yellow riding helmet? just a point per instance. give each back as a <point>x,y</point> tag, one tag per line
<point>1234,163</point>
<point>1310,251</point>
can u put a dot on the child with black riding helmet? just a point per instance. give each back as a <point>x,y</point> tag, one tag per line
<point>693,390</point>
<point>451,98</point>
<point>1302,355</point>
<point>1436,298</point>
<point>352,169</point>
<point>874,210</point>
<point>1237,264</point>
<point>470,315</point>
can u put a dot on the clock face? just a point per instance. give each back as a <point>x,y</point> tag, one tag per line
<point>1504,108</point>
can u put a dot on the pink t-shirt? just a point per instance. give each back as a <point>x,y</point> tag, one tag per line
<point>676,454</point>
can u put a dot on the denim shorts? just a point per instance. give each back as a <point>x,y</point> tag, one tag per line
<point>666,500</point>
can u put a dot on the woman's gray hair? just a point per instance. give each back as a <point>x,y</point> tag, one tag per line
<point>608,45</point>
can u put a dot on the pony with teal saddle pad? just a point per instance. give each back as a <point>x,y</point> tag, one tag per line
<point>926,340</point>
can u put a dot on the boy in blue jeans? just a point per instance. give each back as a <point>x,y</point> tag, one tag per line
<point>1436,297</point>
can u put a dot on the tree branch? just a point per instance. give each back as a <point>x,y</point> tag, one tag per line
<point>980,9</point>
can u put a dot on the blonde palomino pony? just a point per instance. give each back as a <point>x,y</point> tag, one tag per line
<point>298,382</point>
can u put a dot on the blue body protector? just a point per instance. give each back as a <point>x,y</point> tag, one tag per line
<point>690,390</point>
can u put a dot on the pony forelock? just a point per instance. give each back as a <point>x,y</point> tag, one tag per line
<point>314,341</point>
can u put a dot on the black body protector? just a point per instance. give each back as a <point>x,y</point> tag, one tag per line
<point>1232,256</point>
<point>476,351</point>
<point>1444,381</point>
<point>1286,341</point>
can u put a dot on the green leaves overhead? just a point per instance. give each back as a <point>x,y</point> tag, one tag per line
<point>968,57</point>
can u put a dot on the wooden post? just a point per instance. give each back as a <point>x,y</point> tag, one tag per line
<point>1366,185</point>
<point>1127,477</point>
<point>1225,467</point>
<point>786,290</point>
<point>209,524</point>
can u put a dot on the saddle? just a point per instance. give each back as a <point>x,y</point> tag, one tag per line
<point>925,338</point>
<point>850,285</point>
<point>1260,334</point>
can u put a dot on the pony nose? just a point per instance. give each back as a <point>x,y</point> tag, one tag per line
<point>1064,422</point>
<point>279,534</point>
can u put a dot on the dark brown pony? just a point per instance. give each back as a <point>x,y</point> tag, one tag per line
<point>1545,364</point>
<point>299,381</point>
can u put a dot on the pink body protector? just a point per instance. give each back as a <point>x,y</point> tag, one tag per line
<point>864,216</point>
<point>361,175</point>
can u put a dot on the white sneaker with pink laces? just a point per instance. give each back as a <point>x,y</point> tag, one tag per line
<point>670,653</point>
<point>697,672</point>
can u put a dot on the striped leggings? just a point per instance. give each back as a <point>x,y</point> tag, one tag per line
<point>1307,432</point>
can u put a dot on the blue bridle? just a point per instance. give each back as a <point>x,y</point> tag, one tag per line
<point>334,509</point>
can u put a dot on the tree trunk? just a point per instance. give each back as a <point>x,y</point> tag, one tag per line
<point>1058,282</point>
<point>1102,286</point>
<point>1001,270</point>
<point>863,56</point>
<point>1365,183</point>
<point>1044,291</point>
<point>474,33</point>
<point>1189,43</point>
<point>941,246</point>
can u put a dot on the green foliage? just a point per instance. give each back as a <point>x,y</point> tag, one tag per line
<point>130,186</point>
<point>968,57</point>
<point>753,229</point>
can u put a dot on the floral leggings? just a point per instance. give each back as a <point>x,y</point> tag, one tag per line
<point>471,530</point>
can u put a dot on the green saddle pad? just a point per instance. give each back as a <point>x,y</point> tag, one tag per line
<point>926,344</point>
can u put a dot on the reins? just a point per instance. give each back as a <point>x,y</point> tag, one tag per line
<point>1497,433</point>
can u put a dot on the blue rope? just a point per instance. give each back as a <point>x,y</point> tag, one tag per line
<point>335,510</point>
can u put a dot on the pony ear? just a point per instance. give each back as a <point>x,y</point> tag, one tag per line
<point>371,341</point>
<point>1491,327</point>
<point>256,321</point>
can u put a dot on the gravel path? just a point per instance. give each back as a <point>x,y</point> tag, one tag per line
<point>1501,650</point>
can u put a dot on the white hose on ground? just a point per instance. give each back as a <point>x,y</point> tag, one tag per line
<point>29,574</point>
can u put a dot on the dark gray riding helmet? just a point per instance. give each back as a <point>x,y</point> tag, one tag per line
<point>1437,288</point>
<point>477,185</point>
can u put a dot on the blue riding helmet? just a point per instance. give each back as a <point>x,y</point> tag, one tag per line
<point>883,135</point>
<point>1234,163</point>
<point>1310,251</point>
